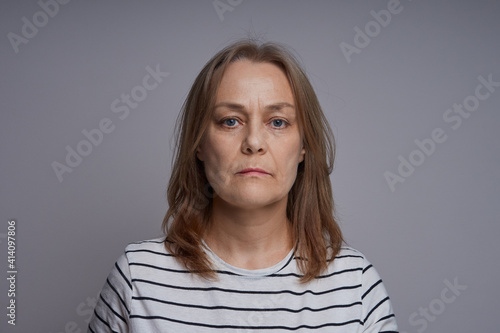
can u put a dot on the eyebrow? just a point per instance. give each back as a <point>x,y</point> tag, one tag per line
<point>239,107</point>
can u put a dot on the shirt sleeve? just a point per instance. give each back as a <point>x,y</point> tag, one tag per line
<point>111,313</point>
<point>378,315</point>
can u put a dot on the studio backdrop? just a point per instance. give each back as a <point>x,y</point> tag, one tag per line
<point>90,92</point>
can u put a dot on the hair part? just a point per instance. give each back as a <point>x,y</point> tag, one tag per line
<point>310,206</point>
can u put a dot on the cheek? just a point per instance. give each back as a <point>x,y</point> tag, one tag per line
<point>289,159</point>
<point>207,149</point>
<point>216,159</point>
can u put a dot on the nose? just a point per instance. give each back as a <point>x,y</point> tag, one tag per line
<point>254,141</point>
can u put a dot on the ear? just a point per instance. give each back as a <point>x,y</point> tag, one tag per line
<point>302,154</point>
<point>199,153</point>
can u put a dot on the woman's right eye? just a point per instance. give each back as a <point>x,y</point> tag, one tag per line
<point>231,122</point>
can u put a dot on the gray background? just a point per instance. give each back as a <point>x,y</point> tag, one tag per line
<point>440,224</point>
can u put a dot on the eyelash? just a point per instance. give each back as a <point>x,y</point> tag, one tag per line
<point>285,123</point>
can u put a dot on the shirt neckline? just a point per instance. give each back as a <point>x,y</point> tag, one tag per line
<point>253,273</point>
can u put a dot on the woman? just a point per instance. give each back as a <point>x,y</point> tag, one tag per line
<point>251,242</point>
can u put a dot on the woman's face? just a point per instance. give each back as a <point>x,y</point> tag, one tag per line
<point>252,146</point>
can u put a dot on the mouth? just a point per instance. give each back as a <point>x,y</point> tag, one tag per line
<point>253,172</point>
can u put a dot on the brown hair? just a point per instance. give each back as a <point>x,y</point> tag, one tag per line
<point>310,207</point>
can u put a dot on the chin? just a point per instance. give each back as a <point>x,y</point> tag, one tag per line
<point>254,200</point>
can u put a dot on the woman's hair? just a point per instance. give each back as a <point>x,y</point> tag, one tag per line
<point>310,207</point>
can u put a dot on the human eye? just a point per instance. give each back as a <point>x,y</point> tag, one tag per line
<point>279,123</point>
<point>229,122</point>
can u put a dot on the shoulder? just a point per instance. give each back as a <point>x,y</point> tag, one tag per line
<point>351,264</point>
<point>349,252</point>
<point>139,252</point>
<point>378,315</point>
<point>149,257</point>
<point>149,250</point>
<point>349,257</point>
<point>149,245</point>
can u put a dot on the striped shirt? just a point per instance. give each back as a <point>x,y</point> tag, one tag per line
<point>148,290</point>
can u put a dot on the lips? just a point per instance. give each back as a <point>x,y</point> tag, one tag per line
<point>254,171</point>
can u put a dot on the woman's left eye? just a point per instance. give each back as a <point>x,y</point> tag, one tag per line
<point>278,123</point>
<point>231,122</point>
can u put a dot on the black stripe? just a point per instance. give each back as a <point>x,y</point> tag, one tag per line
<point>182,271</point>
<point>104,322</point>
<point>375,307</point>
<point>151,251</point>
<point>220,307</point>
<point>247,291</point>
<point>118,294</point>
<point>148,241</point>
<point>337,257</point>
<point>112,310</point>
<point>349,256</point>
<point>339,272</point>
<point>235,274</point>
<point>247,327</point>
<point>370,289</point>
<point>367,268</point>
<point>320,276</point>
<point>123,275</point>
<point>185,271</point>
<point>386,317</point>
<point>91,330</point>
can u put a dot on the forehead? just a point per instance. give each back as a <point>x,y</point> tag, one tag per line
<point>244,77</point>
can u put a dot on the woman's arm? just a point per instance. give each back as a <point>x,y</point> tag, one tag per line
<point>378,316</point>
<point>112,310</point>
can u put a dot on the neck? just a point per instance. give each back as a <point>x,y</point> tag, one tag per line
<point>249,238</point>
